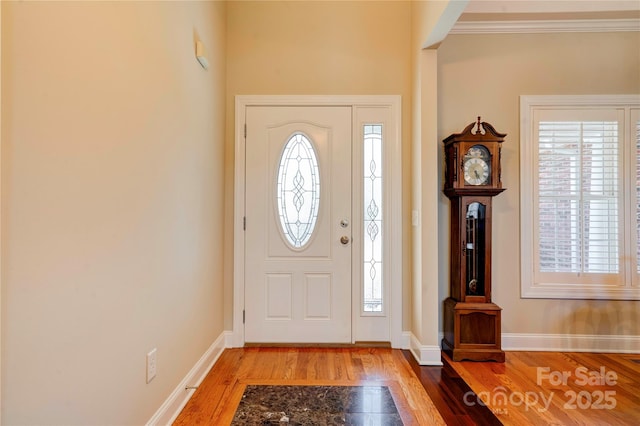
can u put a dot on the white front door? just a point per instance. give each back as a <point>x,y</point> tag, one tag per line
<point>298,224</point>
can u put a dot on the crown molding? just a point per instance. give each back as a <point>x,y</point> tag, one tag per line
<point>550,6</point>
<point>546,26</point>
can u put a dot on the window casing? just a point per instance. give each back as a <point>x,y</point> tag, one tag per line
<point>580,212</point>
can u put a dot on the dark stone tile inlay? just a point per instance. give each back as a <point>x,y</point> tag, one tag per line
<point>317,405</point>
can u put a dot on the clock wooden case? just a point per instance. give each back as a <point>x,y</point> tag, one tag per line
<point>473,161</point>
<point>472,328</point>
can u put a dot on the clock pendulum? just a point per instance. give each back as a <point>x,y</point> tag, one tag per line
<point>472,328</point>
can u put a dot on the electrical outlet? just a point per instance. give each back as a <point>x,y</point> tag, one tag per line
<point>151,364</point>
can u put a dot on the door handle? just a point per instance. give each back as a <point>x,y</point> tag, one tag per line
<point>344,240</point>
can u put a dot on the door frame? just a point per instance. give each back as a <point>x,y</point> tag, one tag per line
<point>393,192</point>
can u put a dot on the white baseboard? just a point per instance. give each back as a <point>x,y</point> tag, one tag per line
<point>570,343</point>
<point>229,339</point>
<point>405,340</point>
<point>168,412</point>
<point>425,354</point>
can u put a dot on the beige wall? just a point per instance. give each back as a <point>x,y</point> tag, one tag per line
<point>112,173</point>
<point>485,75</point>
<point>328,48</point>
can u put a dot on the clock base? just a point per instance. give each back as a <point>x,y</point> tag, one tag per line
<point>472,331</point>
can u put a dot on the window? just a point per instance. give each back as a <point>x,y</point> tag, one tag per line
<point>373,228</point>
<point>580,173</point>
<point>298,190</point>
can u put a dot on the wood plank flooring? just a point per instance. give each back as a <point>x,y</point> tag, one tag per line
<point>216,399</point>
<point>530,388</point>
<point>558,388</point>
<point>447,393</point>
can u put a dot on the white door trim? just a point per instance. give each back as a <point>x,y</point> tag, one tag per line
<point>393,188</point>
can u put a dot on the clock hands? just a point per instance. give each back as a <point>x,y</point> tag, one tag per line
<point>476,171</point>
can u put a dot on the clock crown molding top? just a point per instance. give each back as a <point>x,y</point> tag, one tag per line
<point>485,132</point>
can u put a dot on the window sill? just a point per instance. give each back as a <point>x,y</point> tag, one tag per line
<point>582,292</point>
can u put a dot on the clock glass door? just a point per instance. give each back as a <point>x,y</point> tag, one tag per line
<point>475,250</point>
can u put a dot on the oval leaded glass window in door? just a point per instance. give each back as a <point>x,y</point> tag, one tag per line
<point>298,190</point>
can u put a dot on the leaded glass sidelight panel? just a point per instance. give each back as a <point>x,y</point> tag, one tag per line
<point>372,273</point>
<point>298,190</point>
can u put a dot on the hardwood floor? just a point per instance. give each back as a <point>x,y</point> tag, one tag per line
<point>529,388</point>
<point>559,388</point>
<point>216,399</point>
<point>447,393</point>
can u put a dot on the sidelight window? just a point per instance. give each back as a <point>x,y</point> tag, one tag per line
<point>372,273</point>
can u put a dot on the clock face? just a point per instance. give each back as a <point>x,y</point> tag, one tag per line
<point>476,166</point>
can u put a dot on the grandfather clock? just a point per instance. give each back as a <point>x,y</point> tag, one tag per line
<point>472,179</point>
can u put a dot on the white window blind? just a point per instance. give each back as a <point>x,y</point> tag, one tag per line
<point>579,197</point>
